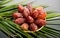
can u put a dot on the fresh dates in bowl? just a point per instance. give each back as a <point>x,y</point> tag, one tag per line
<point>29,18</point>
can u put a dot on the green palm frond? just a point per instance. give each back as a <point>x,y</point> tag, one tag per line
<point>11,29</point>
<point>52,15</point>
<point>4,2</point>
<point>51,11</point>
<point>14,6</point>
<point>44,31</point>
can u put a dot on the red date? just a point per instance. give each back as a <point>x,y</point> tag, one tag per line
<point>17,15</point>
<point>33,27</point>
<point>20,8</point>
<point>29,6</point>
<point>30,19</point>
<point>40,9</point>
<point>40,22</point>
<point>26,12</point>
<point>19,20</point>
<point>35,14</point>
<point>25,26</point>
<point>42,15</point>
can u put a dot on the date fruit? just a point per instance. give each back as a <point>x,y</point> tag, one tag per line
<point>19,20</point>
<point>20,8</point>
<point>29,6</point>
<point>30,19</point>
<point>42,16</point>
<point>25,26</point>
<point>40,22</point>
<point>17,15</point>
<point>26,12</point>
<point>33,27</point>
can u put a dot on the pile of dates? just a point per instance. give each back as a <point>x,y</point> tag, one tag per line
<point>30,18</point>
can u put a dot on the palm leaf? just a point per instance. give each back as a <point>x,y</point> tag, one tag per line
<point>49,16</point>
<point>41,33</point>
<point>4,2</point>
<point>11,29</point>
<point>7,8</point>
<point>51,11</point>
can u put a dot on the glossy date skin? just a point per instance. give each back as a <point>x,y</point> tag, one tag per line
<point>40,22</point>
<point>25,26</point>
<point>30,19</point>
<point>26,12</point>
<point>19,20</point>
<point>29,6</point>
<point>20,8</point>
<point>33,27</point>
<point>17,15</point>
